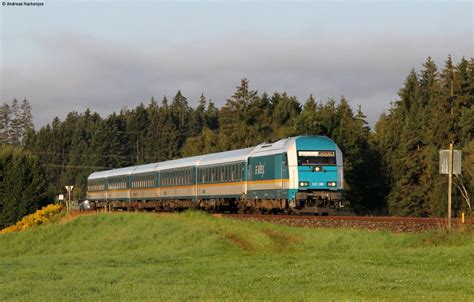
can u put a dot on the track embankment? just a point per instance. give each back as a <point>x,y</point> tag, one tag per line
<point>393,224</point>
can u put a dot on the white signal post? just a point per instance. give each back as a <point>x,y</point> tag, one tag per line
<point>68,204</point>
<point>450,164</point>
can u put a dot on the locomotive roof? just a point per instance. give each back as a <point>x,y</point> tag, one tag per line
<point>279,146</point>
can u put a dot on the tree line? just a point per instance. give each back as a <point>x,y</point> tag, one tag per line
<point>391,169</point>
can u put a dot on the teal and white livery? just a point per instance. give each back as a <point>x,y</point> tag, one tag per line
<point>296,174</point>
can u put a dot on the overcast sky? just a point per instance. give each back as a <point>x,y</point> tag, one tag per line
<point>103,55</point>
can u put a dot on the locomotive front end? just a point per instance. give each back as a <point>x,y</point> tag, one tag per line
<point>319,176</point>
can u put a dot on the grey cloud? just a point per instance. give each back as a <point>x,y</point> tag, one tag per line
<point>73,72</point>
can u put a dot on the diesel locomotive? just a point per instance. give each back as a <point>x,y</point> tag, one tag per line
<point>301,174</point>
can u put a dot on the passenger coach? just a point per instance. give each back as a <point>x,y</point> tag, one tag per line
<point>297,174</point>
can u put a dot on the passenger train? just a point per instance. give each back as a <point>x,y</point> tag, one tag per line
<point>301,174</point>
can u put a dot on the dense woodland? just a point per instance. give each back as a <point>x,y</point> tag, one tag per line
<point>391,169</point>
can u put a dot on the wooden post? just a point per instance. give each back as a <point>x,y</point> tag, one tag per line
<point>450,183</point>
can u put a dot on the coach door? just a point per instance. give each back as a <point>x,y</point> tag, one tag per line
<point>249,177</point>
<point>283,172</point>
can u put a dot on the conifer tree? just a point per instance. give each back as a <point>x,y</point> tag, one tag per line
<point>25,119</point>
<point>5,120</point>
<point>15,124</point>
<point>22,185</point>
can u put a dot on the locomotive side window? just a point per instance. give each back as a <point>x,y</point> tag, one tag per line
<point>310,158</point>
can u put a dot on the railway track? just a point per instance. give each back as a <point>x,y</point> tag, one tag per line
<point>394,224</point>
<point>389,223</point>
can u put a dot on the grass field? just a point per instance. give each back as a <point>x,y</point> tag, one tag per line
<point>196,256</point>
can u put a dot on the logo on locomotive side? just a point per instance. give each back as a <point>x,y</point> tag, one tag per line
<point>260,169</point>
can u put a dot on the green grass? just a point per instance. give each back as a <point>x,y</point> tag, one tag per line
<point>196,256</point>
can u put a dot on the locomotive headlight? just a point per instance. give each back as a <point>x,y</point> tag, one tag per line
<point>317,169</point>
<point>304,183</point>
<point>331,183</point>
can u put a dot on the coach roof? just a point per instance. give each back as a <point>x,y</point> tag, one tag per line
<point>226,157</point>
<point>111,173</point>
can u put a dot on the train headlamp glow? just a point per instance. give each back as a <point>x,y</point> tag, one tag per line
<point>304,183</point>
<point>331,183</point>
<point>317,169</point>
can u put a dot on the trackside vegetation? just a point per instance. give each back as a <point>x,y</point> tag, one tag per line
<point>47,214</point>
<point>193,255</point>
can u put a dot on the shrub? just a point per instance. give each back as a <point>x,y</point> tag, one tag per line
<point>43,216</point>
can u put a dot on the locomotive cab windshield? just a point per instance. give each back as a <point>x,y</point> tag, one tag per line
<point>313,158</point>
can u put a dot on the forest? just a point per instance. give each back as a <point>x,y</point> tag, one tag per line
<point>391,169</point>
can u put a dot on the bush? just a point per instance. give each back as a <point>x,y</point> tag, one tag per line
<point>45,215</point>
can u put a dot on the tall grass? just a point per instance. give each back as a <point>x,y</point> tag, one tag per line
<point>197,256</point>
